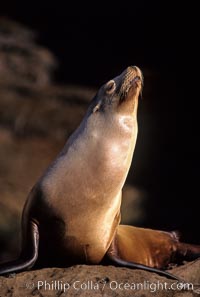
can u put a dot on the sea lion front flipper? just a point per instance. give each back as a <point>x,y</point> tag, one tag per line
<point>26,261</point>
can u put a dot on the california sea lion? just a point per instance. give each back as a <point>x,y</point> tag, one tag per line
<point>72,214</point>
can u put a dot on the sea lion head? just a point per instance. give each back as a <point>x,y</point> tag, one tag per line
<point>121,93</point>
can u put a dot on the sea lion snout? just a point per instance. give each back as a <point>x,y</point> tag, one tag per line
<point>131,83</point>
<point>133,74</point>
<point>133,68</point>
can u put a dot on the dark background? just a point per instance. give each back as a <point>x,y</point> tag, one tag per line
<point>93,47</point>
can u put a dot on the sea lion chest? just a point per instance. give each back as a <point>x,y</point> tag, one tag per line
<point>83,186</point>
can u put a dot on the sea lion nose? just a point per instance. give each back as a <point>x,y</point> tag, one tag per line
<point>135,68</point>
<point>136,72</point>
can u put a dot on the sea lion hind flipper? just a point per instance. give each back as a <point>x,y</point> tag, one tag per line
<point>25,261</point>
<point>123,263</point>
<point>113,256</point>
<point>188,252</point>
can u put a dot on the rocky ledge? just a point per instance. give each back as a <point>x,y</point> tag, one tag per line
<point>83,280</point>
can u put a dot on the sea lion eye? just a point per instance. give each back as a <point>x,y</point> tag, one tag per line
<point>110,87</point>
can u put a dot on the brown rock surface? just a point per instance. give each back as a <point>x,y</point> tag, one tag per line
<point>82,280</point>
<point>22,61</point>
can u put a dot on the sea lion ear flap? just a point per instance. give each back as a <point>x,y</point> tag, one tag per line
<point>97,107</point>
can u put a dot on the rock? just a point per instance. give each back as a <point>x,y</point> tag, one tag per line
<point>105,281</point>
<point>22,61</point>
<point>35,105</point>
